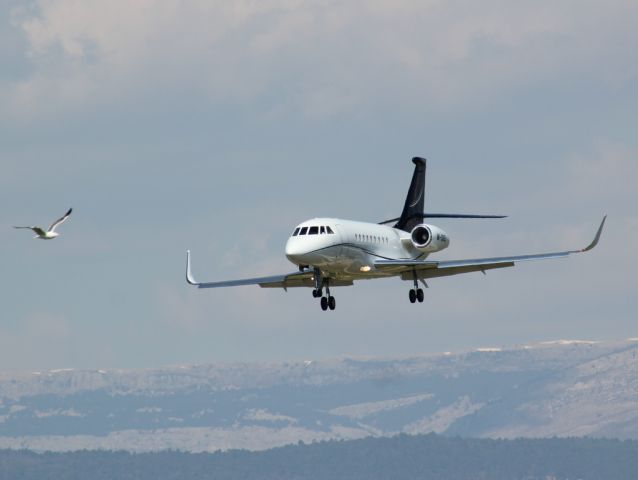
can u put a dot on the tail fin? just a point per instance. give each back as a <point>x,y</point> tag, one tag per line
<point>412,214</point>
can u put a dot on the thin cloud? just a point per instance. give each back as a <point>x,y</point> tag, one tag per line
<point>324,59</point>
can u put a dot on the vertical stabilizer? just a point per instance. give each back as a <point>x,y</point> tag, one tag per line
<point>413,209</point>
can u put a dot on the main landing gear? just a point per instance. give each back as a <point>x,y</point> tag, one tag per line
<point>327,302</point>
<point>416,294</point>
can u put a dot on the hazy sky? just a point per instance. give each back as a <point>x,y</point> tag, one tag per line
<point>218,126</point>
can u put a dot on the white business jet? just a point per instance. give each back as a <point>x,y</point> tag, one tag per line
<point>331,252</point>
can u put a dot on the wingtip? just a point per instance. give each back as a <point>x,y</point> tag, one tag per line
<point>597,237</point>
<point>189,277</point>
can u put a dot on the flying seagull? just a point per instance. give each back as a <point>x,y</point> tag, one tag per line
<point>50,233</point>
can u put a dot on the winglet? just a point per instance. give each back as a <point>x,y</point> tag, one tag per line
<point>597,237</point>
<point>189,276</point>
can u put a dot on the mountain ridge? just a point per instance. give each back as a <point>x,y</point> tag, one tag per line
<point>558,388</point>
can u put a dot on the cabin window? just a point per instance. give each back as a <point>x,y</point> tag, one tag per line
<point>296,232</point>
<point>329,230</point>
<point>322,230</point>
<point>303,230</point>
<point>313,231</point>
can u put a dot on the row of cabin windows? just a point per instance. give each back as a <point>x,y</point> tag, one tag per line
<point>312,231</point>
<point>371,238</point>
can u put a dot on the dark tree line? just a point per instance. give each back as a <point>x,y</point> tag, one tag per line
<point>402,457</point>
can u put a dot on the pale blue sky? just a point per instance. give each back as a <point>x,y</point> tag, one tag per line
<point>218,126</point>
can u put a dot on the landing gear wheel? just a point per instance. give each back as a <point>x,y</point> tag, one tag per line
<point>419,295</point>
<point>412,296</point>
<point>317,293</point>
<point>332,303</point>
<point>324,303</point>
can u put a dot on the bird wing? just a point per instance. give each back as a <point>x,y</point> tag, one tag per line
<point>60,220</point>
<point>37,230</point>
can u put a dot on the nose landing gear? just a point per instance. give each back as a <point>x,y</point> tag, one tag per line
<point>327,302</point>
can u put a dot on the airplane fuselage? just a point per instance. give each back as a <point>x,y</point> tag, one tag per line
<point>347,250</point>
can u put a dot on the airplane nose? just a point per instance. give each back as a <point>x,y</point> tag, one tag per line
<point>293,250</point>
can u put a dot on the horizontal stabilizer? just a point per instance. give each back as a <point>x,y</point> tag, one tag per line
<point>445,215</point>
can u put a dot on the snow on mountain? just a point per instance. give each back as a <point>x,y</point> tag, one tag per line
<point>562,388</point>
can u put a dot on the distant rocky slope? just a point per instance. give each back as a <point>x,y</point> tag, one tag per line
<point>562,388</point>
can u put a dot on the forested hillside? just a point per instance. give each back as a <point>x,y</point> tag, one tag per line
<point>422,457</point>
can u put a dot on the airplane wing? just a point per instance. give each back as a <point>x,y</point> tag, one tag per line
<point>293,279</point>
<point>431,269</point>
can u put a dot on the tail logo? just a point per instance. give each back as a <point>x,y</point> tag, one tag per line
<point>418,199</point>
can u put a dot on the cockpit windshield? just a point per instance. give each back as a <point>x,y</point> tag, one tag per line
<point>313,230</point>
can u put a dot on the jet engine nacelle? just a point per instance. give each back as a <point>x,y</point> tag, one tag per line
<point>428,238</point>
